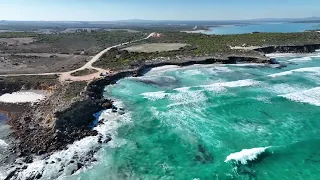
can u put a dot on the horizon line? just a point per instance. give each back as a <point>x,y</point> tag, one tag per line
<point>293,18</point>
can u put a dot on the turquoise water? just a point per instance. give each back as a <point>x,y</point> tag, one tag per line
<point>184,123</point>
<point>244,121</point>
<point>264,27</point>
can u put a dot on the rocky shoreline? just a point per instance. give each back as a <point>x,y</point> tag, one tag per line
<point>53,124</point>
<point>306,48</point>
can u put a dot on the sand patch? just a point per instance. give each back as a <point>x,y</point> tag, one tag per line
<point>153,47</point>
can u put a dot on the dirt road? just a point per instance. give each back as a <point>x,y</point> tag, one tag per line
<point>66,76</point>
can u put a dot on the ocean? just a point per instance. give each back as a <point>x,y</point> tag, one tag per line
<point>242,121</point>
<point>264,27</point>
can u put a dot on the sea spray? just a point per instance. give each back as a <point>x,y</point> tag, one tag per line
<point>246,155</point>
<point>3,144</point>
<point>79,154</point>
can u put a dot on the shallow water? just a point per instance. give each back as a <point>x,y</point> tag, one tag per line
<point>244,121</point>
<point>264,27</point>
<point>217,122</point>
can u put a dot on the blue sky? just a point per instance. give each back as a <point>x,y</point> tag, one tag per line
<point>104,10</point>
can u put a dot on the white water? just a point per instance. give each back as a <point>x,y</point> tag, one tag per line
<point>78,151</point>
<point>161,69</point>
<point>3,144</point>
<point>293,55</point>
<point>300,59</point>
<point>184,91</point>
<point>239,83</point>
<point>311,96</point>
<point>21,97</point>
<point>154,95</point>
<point>277,55</point>
<point>309,69</point>
<point>246,155</point>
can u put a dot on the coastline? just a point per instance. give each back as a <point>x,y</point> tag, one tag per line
<point>67,131</point>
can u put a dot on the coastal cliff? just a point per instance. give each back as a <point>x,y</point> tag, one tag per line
<point>307,48</point>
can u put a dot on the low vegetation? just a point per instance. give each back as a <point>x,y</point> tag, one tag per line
<point>202,45</point>
<point>15,83</point>
<point>80,42</point>
<point>74,90</point>
<point>84,72</point>
<point>207,44</point>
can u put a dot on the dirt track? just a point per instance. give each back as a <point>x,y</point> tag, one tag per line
<point>66,76</point>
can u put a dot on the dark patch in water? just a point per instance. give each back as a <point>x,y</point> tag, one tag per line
<point>204,156</point>
<point>161,82</point>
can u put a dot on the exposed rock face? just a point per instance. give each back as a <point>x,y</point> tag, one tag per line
<point>54,123</point>
<point>308,48</point>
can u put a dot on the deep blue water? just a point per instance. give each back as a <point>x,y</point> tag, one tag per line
<point>266,27</point>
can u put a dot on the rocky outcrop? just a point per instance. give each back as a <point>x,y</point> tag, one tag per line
<point>54,123</point>
<point>307,48</point>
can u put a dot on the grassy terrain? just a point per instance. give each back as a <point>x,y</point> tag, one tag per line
<point>84,72</point>
<point>90,42</point>
<point>74,89</point>
<point>17,34</point>
<point>15,83</point>
<point>70,43</point>
<point>221,43</point>
<point>202,45</point>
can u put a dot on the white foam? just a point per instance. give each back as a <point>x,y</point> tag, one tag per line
<point>162,69</point>
<point>311,96</point>
<point>285,88</point>
<point>192,72</point>
<point>293,55</point>
<point>187,97</point>
<point>21,97</point>
<point>231,84</point>
<point>246,155</point>
<point>246,64</point>
<point>78,151</point>
<point>220,86</point>
<point>153,96</point>
<point>309,69</point>
<point>275,55</point>
<point>3,144</point>
<point>300,59</point>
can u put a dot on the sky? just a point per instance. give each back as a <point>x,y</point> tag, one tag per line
<point>109,10</point>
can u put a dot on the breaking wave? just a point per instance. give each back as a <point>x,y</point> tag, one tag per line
<point>79,154</point>
<point>3,144</point>
<point>300,59</point>
<point>217,87</point>
<point>153,96</point>
<point>246,155</point>
<point>231,84</point>
<point>311,96</point>
<point>309,69</point>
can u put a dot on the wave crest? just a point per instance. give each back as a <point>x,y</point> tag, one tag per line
<point>309,69</point>
<point>311,96</point>
<point>246,155</point>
